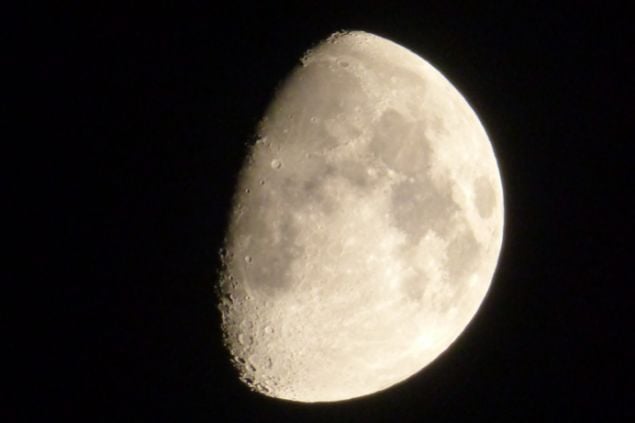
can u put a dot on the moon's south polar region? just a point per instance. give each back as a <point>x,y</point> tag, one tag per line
<point>366,225</point>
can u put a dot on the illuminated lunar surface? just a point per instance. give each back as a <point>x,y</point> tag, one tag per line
<point>366,225</point>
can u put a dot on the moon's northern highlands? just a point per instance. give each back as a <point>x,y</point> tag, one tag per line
<point>366,225</point>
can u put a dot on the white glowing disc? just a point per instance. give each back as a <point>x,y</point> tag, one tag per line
<point>366,226</point>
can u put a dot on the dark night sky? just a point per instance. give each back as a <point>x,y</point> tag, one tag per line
<point>135,125</point>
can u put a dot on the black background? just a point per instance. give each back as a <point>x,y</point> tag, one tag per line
<point>133,123</point>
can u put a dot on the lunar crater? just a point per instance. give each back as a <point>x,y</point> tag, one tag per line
<point>485,196</point>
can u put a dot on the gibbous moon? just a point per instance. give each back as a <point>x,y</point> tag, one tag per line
<point>366,225</point>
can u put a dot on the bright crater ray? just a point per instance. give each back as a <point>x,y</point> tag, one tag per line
<point>366,226</point>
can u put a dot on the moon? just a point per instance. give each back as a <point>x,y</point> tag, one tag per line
<point>366,225</point>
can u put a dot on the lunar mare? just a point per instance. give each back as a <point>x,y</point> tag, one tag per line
<point>366,225</point>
